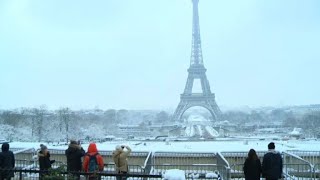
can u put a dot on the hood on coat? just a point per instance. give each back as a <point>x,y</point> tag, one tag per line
<point>73,142</point>
<point>73,147</point>
<point>116,152</point>
<point>40,154</point>
<point>92,148</point>
<point>272,151</point>
<point>5,147</point>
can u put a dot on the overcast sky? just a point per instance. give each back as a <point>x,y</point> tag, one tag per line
<point>134,54</point>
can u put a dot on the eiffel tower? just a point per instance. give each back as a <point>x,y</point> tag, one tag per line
<point>206,99</point>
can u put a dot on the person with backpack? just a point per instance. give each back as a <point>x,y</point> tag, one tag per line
<point>74,153</point>
<point>252,166</point>
<point>120,159</point>
<point>7,162</point>
<point>272,164</point>
<point>93,161</point>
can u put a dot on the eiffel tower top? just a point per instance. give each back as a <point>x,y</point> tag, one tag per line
<point>196,51</point>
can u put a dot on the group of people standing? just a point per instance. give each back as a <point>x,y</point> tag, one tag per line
<point>93,161</point>
<point>271,167</point>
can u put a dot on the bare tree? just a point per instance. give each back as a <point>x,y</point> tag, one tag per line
<point>38,120</point>
<point>162,116</point>
<point>311,122</point>
<point>12,118</point>
<point>65,116</point>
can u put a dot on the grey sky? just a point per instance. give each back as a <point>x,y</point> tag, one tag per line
<point>135,53</point>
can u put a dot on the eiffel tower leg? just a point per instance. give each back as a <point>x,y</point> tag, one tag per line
<point>189,85</point>
<point>205,85</point>
<point>177,116</point>
<point>214,109</point>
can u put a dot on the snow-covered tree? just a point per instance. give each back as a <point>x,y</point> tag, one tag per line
<point>7,132</point>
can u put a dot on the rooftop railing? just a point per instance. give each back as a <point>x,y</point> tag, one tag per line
<point>302,165</point>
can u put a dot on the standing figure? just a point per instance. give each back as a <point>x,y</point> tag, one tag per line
<point>272,164</point>
<point>74,154</point>
<point>7,162</point>
<point>120,157</point>
<point>93,162</point>
<point>44,160</point>
<point>252,166</point>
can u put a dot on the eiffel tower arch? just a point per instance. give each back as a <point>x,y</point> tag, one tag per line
<point>206,98</point>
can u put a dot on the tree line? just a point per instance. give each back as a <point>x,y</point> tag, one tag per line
<point>41,124</point>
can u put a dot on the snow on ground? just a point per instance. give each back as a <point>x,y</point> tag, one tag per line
<point>199,130</point>
<point>296,131</point>
<point>196,119</point>
<point>174,174</point>
<point>189,132</point>
<point>212,131</point>
<point>192,146</point>
<point>211,175</point>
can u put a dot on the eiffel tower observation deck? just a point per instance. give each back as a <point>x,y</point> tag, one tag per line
<point>206,98</point>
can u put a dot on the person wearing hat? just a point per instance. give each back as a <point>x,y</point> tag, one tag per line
<point>44,160</point>
<point>120,159</point>
<point>272,164</point>
<point>74,153</point>
<point>7,162</point>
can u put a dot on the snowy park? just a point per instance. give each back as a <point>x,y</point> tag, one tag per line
<point>219,145</point>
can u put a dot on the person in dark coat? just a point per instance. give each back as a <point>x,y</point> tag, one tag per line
<point>252,166</point>
<point>44,160</point>
<point>7,162</point>
<point>272,164</point>
<point>74,154</point>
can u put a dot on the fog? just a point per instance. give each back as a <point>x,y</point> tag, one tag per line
<point>135,54</point>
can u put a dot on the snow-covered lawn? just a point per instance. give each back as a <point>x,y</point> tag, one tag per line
<point>191,146</point>
<point>212,131</point>
<point>199,130</point>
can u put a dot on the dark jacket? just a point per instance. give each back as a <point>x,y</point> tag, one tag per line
<point>74,154</point>
<point>44,161</point>
<point>7,161</point>
<point>252,169</point>
<point>272,165</point>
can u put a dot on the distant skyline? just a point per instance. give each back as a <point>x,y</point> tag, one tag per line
<point>135,54</point>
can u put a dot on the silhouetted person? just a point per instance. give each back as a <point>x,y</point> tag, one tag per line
<point>272,164</point>
<point>252,166</point>
<point>74,154</point>
<point>7,162</point>
<point>44,160</point>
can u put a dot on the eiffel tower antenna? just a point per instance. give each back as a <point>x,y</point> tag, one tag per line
<point>197,70</point>
<point>196,51</point>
